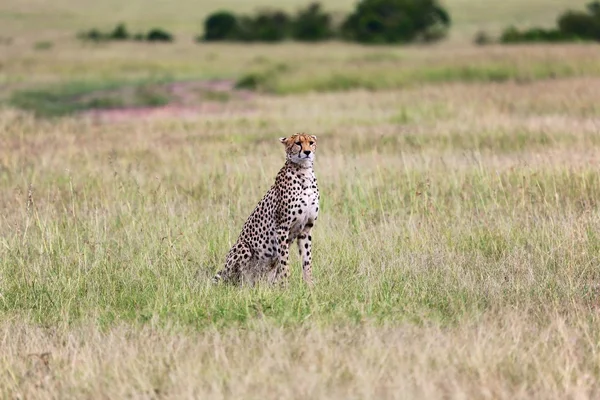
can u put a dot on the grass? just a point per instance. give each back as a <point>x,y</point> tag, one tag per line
<point>131,75</point>
<point>81,96</point>
<point>455,254</point>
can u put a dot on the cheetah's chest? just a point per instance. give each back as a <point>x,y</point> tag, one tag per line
<point>305,205</point>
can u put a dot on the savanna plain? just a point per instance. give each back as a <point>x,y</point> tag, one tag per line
<point>456,253</point>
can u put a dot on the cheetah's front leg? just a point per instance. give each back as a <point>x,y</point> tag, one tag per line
<point>284,252</point>
<point>305,248</point>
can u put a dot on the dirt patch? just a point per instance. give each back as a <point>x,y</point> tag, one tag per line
<point>160,112</point>
<point>186,99</point>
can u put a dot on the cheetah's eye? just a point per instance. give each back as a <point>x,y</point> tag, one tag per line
<point>298,143</point>
<point>311,143</point>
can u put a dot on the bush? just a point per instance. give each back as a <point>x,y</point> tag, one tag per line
<point>483,38</point>
<point>159,35</point>
<point>513,35</point>
<point>93,35</point>
<point>43,45</point>
<point>580,24</point>
<point>396,21</point>
<point>594,8</point>
<point>269,26</point>
<point>221,25</point>
<point>119,33</point>
<point>312,24</point>
<point>572,26</point>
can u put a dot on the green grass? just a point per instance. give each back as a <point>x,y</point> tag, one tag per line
<point>71,97</point>
<point>139,261</point>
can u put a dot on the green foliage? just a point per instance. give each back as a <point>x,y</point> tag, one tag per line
<point>268,26</point>
<point>265,26</point>
<point>159,35</point>
<point>581,24</point>
<point>120,33</point>
<point>43,45</point>
<point>373,21</point>
<point>571,26</point>
<point>221,25</point>
<point>92,35</point>
<point>513,35</point>
<point>396,21</point>
<point>312,24</point>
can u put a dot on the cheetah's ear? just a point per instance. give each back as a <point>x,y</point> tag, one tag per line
<point>282,140</point>
<point>313,137</point>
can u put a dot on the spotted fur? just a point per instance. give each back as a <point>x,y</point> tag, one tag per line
<point>285,214</point>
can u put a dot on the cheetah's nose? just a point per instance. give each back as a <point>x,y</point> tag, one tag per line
<point>307,152</point>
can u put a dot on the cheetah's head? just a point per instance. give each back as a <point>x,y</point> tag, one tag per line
<point>300,148</point>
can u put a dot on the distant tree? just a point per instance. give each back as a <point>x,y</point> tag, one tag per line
<point>513,35</point>
<point>594,8</point>
<point>221,25</point>
<point>119,33</point>
<point>311,24</point>
<point>93,35</point>
<point>270,26</point>
<point>159,35</point>
<point>581,24</point>
<point>396,21</point>
<point>265,26</point>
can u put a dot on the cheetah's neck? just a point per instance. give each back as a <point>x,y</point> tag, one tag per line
<point>298,167</point>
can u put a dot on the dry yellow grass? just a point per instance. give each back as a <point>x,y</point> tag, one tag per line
<point>506,355</point>
<point>456,254</point>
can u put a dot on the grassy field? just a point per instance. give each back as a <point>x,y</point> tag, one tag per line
<point>456,254</point>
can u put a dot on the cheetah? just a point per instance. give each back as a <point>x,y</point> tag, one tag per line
<point>287,212</point>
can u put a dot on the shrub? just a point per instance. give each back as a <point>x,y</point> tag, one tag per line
<point>513,35</point>
<point>269,26</point>
<point>572,26</point>
<point>594,8</point>
<point>43,45</point>
<point>580,24</point>
<point>159,35</point>
<point>119,33</point>
<point>312,24</point>
<point>92,34</point>
<point>396,21</point>
<point>255,81</point>
<point>221,25</point>
<point>482,38</point>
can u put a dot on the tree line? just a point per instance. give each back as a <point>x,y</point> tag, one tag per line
<point>371,22</point>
